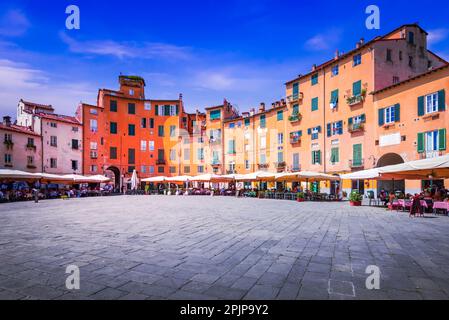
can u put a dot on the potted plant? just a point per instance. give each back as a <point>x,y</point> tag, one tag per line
<point>355,199</point>
<point>300,197</point>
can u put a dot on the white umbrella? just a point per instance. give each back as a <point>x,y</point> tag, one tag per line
<point>54,177</point>
<point>370,174</point>
<point>134,180</point>
<point>155,179</point>
<point>209,177</point>
<point>437,168</point>
<point>179,179</point>
<point>16,174</point>
<point>78,178</point>
<point>258,176</point>
<point>100,178</point>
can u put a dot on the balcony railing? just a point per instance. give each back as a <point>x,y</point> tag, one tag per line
<point>215,162</point>
<point>295,97</point>
<point>355,100</point>
<point>231,172</point>
<point>31,146</point>
<point>295,117</point>
<point>356,127</point>
<point>263,165</point>
<point>9,144</point>
<point>280,165</point>
<point>160,162</point>
<point>31,166</point>
<point>358,163</point>
<point>430,154</point>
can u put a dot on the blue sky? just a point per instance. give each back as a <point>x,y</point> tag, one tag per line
<point>208,50</point>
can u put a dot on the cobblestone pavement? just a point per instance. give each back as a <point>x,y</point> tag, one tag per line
<point>162,247</point>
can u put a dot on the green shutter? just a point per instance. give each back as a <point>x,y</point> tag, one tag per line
<point>350,120</point>
<point>381,117</point>
<point>442,139</point>
<point>357,88</point>
<point>295,90</point>
<point>420,142</point>
<point>363,118</point>
<point>420,106</point>
<point>156,110</point>
<point>313,157</point>
<point>177,109</point>
<point>357,154</point>
<point>314,104</point>
<point>329,133</point>
<point>397,112</point>
<point>319,156</point>
<point>334,96</point>
<point>441,100</point>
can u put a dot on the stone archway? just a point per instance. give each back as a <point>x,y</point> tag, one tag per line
<point>116,176</point>
<point>390,185</point>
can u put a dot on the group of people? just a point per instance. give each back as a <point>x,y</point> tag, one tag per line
<point>430,195</point>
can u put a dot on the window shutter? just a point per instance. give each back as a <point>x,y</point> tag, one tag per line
<point>350,121</point>
<point>441,100</point>
<point>381,117</point>
<point>309,131</point>
<point>363,117</point>
<point>340,127</point>
<point>319,156</point>
<point>420,106</point>
<point>313,157</point>
<point>397,112</point>
<point>329,133</point>
<point>177,109</point>
<point>442,139</point>
<point>156,110</point>
<point>357,88</point>
<point>319,129</point>
<point>420,142</point>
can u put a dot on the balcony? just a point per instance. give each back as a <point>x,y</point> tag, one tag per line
<point>160,162</point>
<point>355,100</point>
<point>357,164</point>
<point>231,172</point>
<point>31,166</point>
<point>356,127</point>
<point>215,163</point>
<point>295,117</point>
<point>9,144</point>
<point>280,165</point>
<point>214,141</point>
<point>263,166</point>
<point>295,137</point>
<point>430,154</point>
<point>295,98</point>
<point>31,147</point>
<point>296,168</point>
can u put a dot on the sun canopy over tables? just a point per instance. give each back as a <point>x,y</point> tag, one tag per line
<point>258,176</point>
<point>435,168</point>
<point>179,179</point>
<point>48,177</point>
<point>305,176</point>
<point>209,177</point>
<point>19,175</point>
<point>155,179</point>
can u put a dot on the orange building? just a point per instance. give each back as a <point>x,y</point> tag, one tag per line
<point>126,132</point>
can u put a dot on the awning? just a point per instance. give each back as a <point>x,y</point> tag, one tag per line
<point>306,176</point>
<point>155,179</point>
<point>370,174</point>
<point>432,168</point>
<point>179,179</point>
<point>209,177</point>
<point>258,176</point>
<point>18,175</point>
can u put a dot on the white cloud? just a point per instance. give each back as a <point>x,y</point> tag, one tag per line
<point>437,35</point>
<point>20,81</point>
<point>121,50</point>
<point>323,41</point>
<point>14,23</point>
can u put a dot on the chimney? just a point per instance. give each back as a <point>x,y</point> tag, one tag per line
<point>337,54</point>
<point>180,97</point>
<point>252,111</point>
<point>313,67</point>
<point>283,102</point>
<point>262,107</point>
<point>7,121</point>
<point>360,43</point>
<point>273,105</point>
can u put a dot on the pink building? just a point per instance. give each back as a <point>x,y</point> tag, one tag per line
<point>21,148</point>
<point>61,137</point>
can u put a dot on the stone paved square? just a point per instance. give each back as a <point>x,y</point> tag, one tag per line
<point>168,247</point>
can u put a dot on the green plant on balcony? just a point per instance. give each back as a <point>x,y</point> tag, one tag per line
<point>295,117</point>
<point>355,127</point>
<point>353,100</point>
<point>31,146</point>
<point>8,143</point>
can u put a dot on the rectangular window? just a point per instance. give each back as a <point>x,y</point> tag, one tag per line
<point>74,165</point>
<point>280,115</point>
<point>335,71</point>
<point>54,124</point>
<point>187,154</point>
<point>315,104</point>
<point>172,131</point>
<point>357,155</point>
<point>147,106</point>
<point>143,145</point>
<point>93,145</point>
<point>93,154</point>
<point>295,109</point>
<point>231,147</point>
<point>160,131</point>
<point>187,169</point>
<point>30,142</point>
<point>432,103</point>
<point>295,162</point>
<point>151,145</point>
<point>113,106</point>
<point>151,124</point>
<point>8,158</point>
<point>143,169</point>
<point>200,154</point>
<point>93,125</point>
<point>316,157</point>
<point>93,168</point>
<point>151,169</point>
<point>215,115</point>
<point>172,155</point>
<point>93,111</point>
<point>247,122</point>
<point>53,141</point>
<point>263,158</point>
<point>53,163</point>
<point>200,169</point>
<point>335,155</point>
<point>247,166</point>
<point>280,157</point>
<point>131,130</point>
<point>314,79</point>
<point>231,125</point>
<point>411,37</point>
<point>113,153</point>
<point>357,59</point>
<point>280,138</point>
<point>75,144</point>
<point>160,169</point>
<point>263,123</point>
<point>295,90</point>
<point>263,142</point>
<point>357,88</point>
<point>389,55</point>
<point>143,123</point>
<point>113,127</point>
<point>131,156</point>
<point>390,114</point>
<point>334,99</point>
<point>131,108</point>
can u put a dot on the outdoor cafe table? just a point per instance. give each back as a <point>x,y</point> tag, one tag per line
<point>440,206</point>
<point>404,204</point>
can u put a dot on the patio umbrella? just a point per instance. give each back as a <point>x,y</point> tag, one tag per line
<point>433,168</point>
<point>134,180</point>
<point>100,178</point>
<point>54,178</point>
<point>76,178</point>
<point>209,177</point>
<point>18,175</point>
<point>258,176</point>
<point>179,179</point>
<point>370,174</point>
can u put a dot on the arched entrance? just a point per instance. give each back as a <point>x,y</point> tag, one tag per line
<point>388,160</point>
<point>115,176</point>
